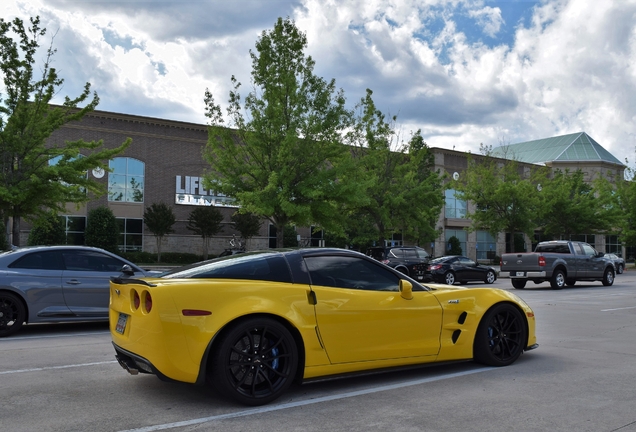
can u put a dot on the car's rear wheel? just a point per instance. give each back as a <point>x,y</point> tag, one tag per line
<point>558,279</point>
<point>519,283</point>
<point>500,337</point>
<point>491,277</point>
<point>619,269</point>
<point>449,278</point>
<point>256,361</point>
<point>12,314</point>
<point>608,277</point>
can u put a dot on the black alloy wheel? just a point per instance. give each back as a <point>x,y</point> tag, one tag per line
<point>501,336</point>
<point>12,314</point>
<point>256,361</point>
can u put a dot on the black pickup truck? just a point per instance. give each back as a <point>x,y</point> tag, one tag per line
<point>559,262</point>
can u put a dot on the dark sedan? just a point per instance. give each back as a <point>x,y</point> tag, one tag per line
<point>455,268</point>
<point>619,263</point>
<point>56,284</point>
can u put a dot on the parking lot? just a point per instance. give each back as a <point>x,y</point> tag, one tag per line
<point>581,378</point>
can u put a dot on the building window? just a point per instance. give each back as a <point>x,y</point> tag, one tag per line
<point>396,240</point>
<point>612,245</point>
<point>75,229</point>
<point>486,246</point>
<point>126,180</point>
<point>130,234</point>
<point>317,238</point>
<point>454,208</point>
<point>461,236</point>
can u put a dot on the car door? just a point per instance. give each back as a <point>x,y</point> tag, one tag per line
<point>595,265</point>
<point>467,270</point>
<point>361,315</point>
<point>86,281</point>
<point>38,275</point>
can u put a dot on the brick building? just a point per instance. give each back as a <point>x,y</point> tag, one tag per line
<point>164,163</point>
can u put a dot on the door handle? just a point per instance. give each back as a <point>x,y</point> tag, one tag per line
<point>73,282</point>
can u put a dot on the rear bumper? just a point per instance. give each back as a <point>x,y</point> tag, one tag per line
<point>528,275</point>
<point>134,364</point>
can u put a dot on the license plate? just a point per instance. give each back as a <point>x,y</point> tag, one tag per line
<point>520,273</point>
<point>121,323</point>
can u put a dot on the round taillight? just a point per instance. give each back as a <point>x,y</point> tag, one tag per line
<point>148,302</point>
<point>136,300</point>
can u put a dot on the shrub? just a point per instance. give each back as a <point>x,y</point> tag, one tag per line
<point>48,230</point>
<point>101,229</point>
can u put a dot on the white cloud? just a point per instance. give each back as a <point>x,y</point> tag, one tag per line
<point>571,67</point>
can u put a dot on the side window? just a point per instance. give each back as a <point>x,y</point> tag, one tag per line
<point>466,262</point>
<point>350,272</point>
<point>410,253</point>
<point>44,260</point>
<point>90,261</point>
<point>421,253</point>
<point>397,253</point>
<point>588,250</point>
<point>269,268</point>
<point>578,250</point>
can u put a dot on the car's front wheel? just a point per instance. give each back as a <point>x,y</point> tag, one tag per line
<point>500,337</point>
<point>255,362</point>
<point>449,278</point>
<point>608,277</point>
<point>12,314</point>
<point>619,269</point>
<point>491,277</point>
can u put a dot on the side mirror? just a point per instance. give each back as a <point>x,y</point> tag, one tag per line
<point>406,289</point>
<point>127,270</point>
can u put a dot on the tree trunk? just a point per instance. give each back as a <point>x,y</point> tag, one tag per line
<point>15,232</point>
<point>158,248</point>
<point>280,235</point>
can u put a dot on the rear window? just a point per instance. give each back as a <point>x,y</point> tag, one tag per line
<point>266,267</point>
<point>553,248</point>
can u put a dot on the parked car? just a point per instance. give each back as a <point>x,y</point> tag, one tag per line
<point>252,324</point>
<point>561,262</point>
<point>619,263</point>
<point>457,268</point>
<point>409,260</point>
<point>56,284</point>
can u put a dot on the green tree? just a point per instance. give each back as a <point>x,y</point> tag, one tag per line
<point>206,222</point>
<point>568,205</point>
<point>48,229</point>
<point>618,200</point>
<point>285,160</point>
<point>455,246</point>
<point>248,224</point>
<point>37,175</point>
<point>159,219</point>
<point>504,195</point>
<point>102,230</point>
<point>402,191</point>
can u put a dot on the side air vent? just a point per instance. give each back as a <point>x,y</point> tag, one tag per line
<point>456,334</point>
<point>462,318</point>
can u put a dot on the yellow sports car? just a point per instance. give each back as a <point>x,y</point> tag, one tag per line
<point>253,323</point>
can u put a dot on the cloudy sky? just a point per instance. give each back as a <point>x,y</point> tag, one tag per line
<point>465,72</point>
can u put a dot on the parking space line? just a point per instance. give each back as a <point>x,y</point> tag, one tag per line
<point>52,336</point>
<point>55,367</point>
<point>267,409</point>
<point>615,309</point>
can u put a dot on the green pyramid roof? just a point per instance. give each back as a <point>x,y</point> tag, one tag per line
<point>577,147</point>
